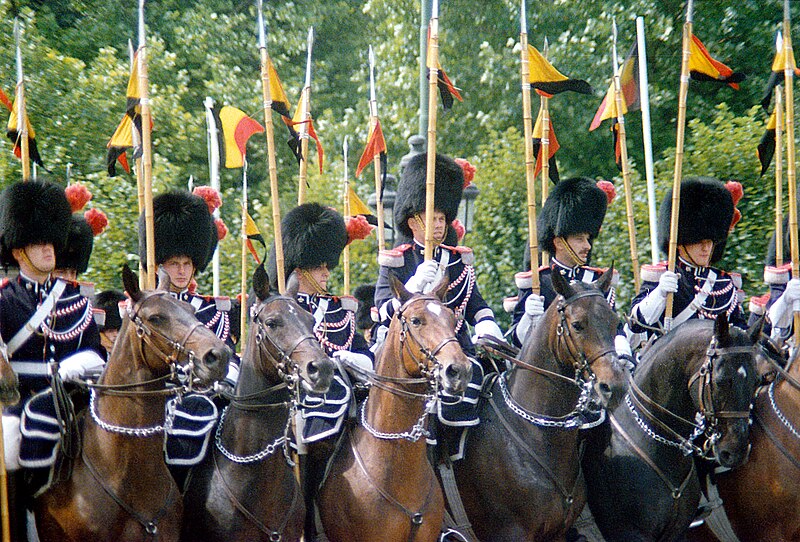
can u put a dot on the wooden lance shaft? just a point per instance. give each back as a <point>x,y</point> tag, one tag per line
<point>778,176</point>
<point>243,278</point>
<point>376,162</point>
<point>430,183</point>
<point>147,168</point>
<point>676,180</point>
<point>790,158</point>
<point>530,164</point>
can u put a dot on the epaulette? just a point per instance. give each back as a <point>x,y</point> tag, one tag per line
<point>4,282</point>
<point>467,256</point>
<point>736,279</point>
<point>86,289</point>
<point>393,257</point>
<point>524,279</point>
<point>601,270</point>
<point>758,304</point>
<point>349,303</point>
<point>223,303</point>
<point>777,275</point>
<point>99,317</point>
<point>653,272</point>
<point>510,303</point>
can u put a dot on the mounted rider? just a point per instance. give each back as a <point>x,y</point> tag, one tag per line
<point>707,215</point>
<point>45,322</point>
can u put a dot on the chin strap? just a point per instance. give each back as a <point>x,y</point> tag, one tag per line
<point>421,224</point>
<point>29,262</point>
<point>577,259</point>
<point>319,290</point>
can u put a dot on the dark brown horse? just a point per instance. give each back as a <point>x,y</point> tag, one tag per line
<point>380,485</point>
<point>120,489</point>
<point>246,490</point>
<point>762,497</point>
<point>520,478</point>
<point>9,383</point>
<point>689,398</point>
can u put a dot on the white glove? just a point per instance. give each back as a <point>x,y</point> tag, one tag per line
<point>12,437</point>
<point>781,312</point>
<point>79,365</point>
<point>353,358</point>
<point>424,275</point>
<point>534,309</point>
<point>485,328</point>
<point>653,305</point>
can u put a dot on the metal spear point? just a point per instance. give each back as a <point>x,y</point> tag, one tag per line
<point>435,10</point>
<point>614,44</point>
<point>17,39</point>
<point>523,18</point>
<point>310,42</point>
<point>372,75</point>
<point>262,37</point>
<point>141,23</point>
<point>690,11</point>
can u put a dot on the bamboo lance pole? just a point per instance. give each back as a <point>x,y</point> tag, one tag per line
<point>273,165</point>
<point>626,171</point>
<point>778,176</point>
<point>544,103</point>
<point>676,179</point>
<point>147,169</point>
<point>243,277</point>
<point>433,76</point>
<point>305,115</point>
<point>376,161</point>
<point>530,160</point>
<point>346,209</point>
<point>22,115</point>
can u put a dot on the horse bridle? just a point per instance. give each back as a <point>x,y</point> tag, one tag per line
<point>580,361</point>
<point>430,365</point>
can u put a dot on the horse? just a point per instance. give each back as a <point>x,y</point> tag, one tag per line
<point>689,399</point>
<point>120,489</point>
<point>245,489</point>
<point>761,497</point>
<point>520,478</point>
<point>380,485</point>
<point>9,382</point>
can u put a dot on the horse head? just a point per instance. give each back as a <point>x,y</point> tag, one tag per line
<point>584,327</point>
<point>724,388</point>
<point>427,337</point>
<point>9,383</point>
<point>165,333</point>
<point>282,330</point>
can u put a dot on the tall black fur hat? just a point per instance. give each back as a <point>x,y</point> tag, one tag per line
<point>31,213</point>
<point>410,198</point>
<point>365,294</point>
<point>108,301</point>
<point>706,213</point>
<point>313,234</point>
<point>80,242</point>
<point>575,205</point>
<point>183,227</point>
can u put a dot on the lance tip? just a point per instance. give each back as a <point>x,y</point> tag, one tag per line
<point>435,10</point>
<point>371,55</point>
<point>310,35</point>
<point>787,15</point>
<point>523,17</point>
<point>689,10</point>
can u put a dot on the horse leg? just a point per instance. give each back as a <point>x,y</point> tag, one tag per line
<point>312,471</point>
<point>17,509</point>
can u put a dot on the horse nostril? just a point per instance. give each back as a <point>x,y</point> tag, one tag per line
<point>456,373</point>
<point>313,370</point>
<point>216,357</point>
<point>724,457</point>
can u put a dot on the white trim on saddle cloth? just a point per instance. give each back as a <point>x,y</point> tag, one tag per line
<point>186,438</point>
<point>41,432</point>
<point>461,412</point>
<point>322,415</point>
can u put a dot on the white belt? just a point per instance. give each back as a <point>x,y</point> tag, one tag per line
<point>31,368</point>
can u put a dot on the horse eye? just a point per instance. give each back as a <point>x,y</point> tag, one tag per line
<point>416,321</point>
<point>156,319</point>
<point>271,324</point>
<point>577,326</point>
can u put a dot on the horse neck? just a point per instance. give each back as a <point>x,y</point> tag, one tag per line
<point>538,392</point>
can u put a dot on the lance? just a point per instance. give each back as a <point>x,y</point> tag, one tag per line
<point>147,169</point>
<point>346,208</point>
<point>544,105</point>
<point>644,99</point>
<point>273,165</point>
<point>433,77</point>
<point>212,142</point>
<point>305,115</point>
<point>376,161</point>
<point>778,176</point>
<point>530,161</point>
<point>626,172</point>
<point>243,281</point>
<point>676,180</point>
<point>136,143</point>
<point>5,519</point>
<point>788,76</point>
<point>22,116</point>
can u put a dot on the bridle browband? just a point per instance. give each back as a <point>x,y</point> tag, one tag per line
<point>580,361</point>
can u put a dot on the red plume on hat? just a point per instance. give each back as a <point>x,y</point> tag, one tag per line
<point>357,228</point>
<point>222,229</point>
<point>459,228</point>
<point>97,220</point>
<point>468,169</point>
<point>78,196</point>
<point>210,195</point>
<point>609,189</point>
<point>737,191</point>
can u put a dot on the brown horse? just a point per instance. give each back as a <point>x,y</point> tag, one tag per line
<point>762,497</point>
<point>520,478</point>
<point>246,490</point>
<point>9,382</point>
<point>689,398</point>
<point>380,485</point>
<point>120,489</point>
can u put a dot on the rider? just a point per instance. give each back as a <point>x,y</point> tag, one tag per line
<point>111,321</point>
<point>784,290</point>
<point>707,215</point>
<point>45,321</point>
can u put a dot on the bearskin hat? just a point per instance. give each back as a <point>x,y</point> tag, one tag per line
<point>312,235</point>
<point>80,241</point>
<point>31,213</point>
<point>183,227</point>
<point>365,294</point>
<point>410,197</point>
<point>706,213</point>
<point>574,206</point>
<point>108,301</point>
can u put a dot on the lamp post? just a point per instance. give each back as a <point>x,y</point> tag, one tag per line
<point>466,211</point>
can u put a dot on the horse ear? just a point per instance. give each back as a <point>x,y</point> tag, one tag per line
<point>261,282</point>
<point>131,283</point>
<point>399,289</point>
<point>754,331</point>
<point>292,285</point>
<point>441,289</point>
<point>604,282</point>
<point>560,284</point>
<point>163,279</point>
<point>722,329</point>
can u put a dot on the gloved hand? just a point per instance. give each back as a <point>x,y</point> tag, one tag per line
<point>624,353</point>
<point>534,306</point>
<point>80,364</point>
<point>361,361</point>
<point>667,283</point>
<point>486,328</point>
<point>534,309</point>
<point>424,275</point>
<point>781,312</point>
<point>652,306</point>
